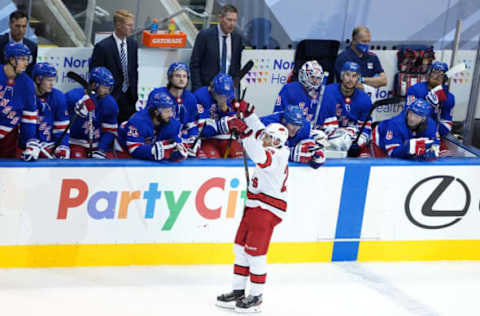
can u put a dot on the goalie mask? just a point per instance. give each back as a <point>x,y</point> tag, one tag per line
<point>278,133</point>
<point>311,75</point>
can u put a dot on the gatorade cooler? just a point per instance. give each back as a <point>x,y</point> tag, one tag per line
<point>164,39</point>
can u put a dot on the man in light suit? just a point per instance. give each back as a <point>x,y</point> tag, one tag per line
<point>217,49</point>
<point>18,27</point>
<point>119,54</point>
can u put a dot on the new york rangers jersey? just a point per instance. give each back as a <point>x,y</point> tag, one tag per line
<point>185,111</point>
<point>104,121</point>
<point>209,112</point>
<point>302,133</point>
<point>268,186</point>
<point>420,91</point>
<point>392,135</point>
<point>293,93</point>
<point>138,134</point>
<point>340,111</point>
<point>17,106</point>
<point>53,117</point>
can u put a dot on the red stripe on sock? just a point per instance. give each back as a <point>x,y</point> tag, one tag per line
<point>245,271</point>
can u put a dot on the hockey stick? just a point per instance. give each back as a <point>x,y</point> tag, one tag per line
<point>456,69</point>
<point>320,99</point>
<point>245,69</point>
<point>91,133</point>
<point>354,151</point>
<point>229,144</point>
<point>78,79</point>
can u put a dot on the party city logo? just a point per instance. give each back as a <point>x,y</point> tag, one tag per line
<point>75,196</point>
<point>269,70</point>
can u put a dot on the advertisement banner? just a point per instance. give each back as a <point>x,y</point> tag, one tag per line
<point>42,206</point>
<point>422,203</point>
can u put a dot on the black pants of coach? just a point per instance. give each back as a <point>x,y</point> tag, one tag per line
<point>126,104</point>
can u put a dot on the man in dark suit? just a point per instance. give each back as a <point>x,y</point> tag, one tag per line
<point>217,49</point>
<point>18,27</point>
<point>119,54</point>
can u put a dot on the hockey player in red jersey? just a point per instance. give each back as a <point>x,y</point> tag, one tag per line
<point>265,207</point>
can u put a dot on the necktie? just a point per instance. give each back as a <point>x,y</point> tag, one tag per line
<point>224,55</point>
<point>123,60</point>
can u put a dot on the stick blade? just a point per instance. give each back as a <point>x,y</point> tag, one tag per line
<point>456,69</point>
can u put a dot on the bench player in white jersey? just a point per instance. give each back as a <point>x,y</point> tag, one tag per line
<point>265,207</point>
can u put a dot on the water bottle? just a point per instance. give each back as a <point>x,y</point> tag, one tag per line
<point>154,26</point>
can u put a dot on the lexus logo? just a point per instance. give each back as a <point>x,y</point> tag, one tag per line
<point>427,207</point>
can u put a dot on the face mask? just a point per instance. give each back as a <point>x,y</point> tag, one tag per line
<point>363,47</point>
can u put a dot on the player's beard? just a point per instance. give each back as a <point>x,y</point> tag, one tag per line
<point>174,86</point>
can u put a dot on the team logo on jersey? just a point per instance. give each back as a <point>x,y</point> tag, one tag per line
<point>389,135</point>
<point>199,108</point>
<point>132,131</point>
<point>411,99</point>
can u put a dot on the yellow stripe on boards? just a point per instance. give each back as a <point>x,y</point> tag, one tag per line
<point>152,254</point>
<point>419,250</point>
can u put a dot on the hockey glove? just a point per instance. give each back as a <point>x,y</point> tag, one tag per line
<point>340,140</point>
<point>244,109</point>
<point>319,137</point>
<point>418,146</point>
<point>83,106</point>
<point>191,149</point>
<point>231,124</point>
<point>62,152</point>
<point>318,159</point>
<point>32,150</point>
<point>99,154</point>
<point>303,152</point>
<point>46,150</point>
<point>158,150</point>
<point>179,153</point>
<point>440,93</point>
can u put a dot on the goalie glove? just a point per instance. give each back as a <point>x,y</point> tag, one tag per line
<point>303,152</point>
<point>32,150</point>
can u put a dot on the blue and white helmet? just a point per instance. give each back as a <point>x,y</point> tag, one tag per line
<point>438,65</point>
<point>293,114</point>
<point>311,75</point>
<point>177,66</point>
<point>101,76</point>
<point>160,100</point>
<point>14,49</point>
<point>44,70</point>
<point>223,85</point>
<point>419,107</point>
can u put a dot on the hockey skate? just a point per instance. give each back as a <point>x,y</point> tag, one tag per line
<point>250,304</point>
<point>228,300</point>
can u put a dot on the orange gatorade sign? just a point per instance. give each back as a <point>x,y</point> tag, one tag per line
<point>164,39</point>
